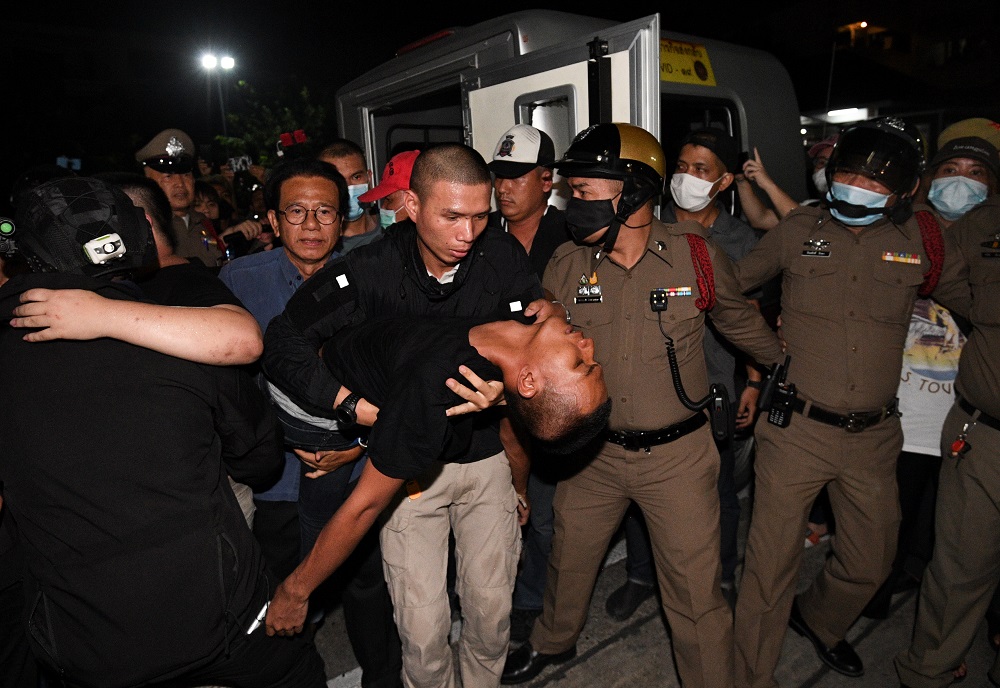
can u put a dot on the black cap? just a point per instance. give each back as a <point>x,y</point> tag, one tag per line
<point>720,143</point>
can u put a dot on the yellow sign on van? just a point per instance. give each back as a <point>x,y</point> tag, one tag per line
<point>685,63</point>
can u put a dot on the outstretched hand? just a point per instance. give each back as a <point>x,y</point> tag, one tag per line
<point>482,395</point>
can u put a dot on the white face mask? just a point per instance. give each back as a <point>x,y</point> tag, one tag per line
<point>819,179</point>
<point>690,192</point>
<point>855,195</point>
<point>955,196</point>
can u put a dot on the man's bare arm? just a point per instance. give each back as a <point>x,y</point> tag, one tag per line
<point>287,611</point>
<point>515,444</point>
<point>221,335</point>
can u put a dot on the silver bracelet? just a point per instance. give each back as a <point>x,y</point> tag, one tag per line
<point>568,318</point>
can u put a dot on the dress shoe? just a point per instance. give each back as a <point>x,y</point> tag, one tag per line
<point>524,664</point>
<point>841,657</point>
<point>623,602</point>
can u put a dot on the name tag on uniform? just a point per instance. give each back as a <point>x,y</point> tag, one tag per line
<point>588,290</point>
<point>898,257</point>
<point>816,248</point>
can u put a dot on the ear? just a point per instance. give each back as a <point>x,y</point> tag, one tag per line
<point>528,382</point>
<point>546,180</point>
<point>726,180</point>
<point>272,218</point>
<point>412,204</point>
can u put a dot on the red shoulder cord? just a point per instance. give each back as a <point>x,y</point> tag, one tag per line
<point>703,272</point>
<point>930,232</point>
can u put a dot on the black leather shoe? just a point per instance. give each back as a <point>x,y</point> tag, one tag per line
<point>524,664</point>
<point>841,657</point>
<point>623,602</point>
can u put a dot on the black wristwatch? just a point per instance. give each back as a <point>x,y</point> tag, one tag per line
<point>346,411</point>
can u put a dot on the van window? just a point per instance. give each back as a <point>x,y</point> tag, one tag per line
<point>682,114</point>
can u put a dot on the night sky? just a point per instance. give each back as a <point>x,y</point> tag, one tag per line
<point>97,80</point>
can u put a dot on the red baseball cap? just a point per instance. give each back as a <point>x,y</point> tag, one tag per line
<point>395,177</point>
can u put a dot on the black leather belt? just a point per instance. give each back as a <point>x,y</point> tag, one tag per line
<point>983,417</point>
<point>634,440</point>
<point>852,422</point>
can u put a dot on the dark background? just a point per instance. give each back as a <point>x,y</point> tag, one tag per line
<point>95,81</point>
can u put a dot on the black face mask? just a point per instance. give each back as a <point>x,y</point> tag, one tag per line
<point>585,218</point>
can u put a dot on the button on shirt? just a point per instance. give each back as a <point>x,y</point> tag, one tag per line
<point>846,301</point>
<point>628,341</point>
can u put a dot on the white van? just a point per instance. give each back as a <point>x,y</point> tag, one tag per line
<point>561,72</point>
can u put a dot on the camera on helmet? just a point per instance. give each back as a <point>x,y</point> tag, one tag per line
<point>104,248</point>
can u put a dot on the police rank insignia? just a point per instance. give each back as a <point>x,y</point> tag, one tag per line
<point>991,249</point>
<point>816,248</point>
<point>898,257</point>
<point>588,290</point>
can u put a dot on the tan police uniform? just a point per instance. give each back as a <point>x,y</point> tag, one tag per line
<point>965,568</point>
<point>196,238</point>
<point>845,309</point>
<point>673,482</point>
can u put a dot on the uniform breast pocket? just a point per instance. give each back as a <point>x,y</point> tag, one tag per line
<point>893,292</point>
<point>811,286</point>
<point>986,293</point>
<point>594,318</point>
<point>681,318</point>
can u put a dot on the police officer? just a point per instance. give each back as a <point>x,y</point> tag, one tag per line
<point>635,284</point>
<point>965,569</point>
<point>851,272</point>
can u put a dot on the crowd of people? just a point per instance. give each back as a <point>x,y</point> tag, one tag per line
<point>442,395</point>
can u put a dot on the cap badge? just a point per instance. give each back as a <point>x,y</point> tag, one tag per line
<point>506,147</point>
<point>174,147</point>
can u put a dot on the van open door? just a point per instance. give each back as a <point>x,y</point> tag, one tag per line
<point>608,75</point>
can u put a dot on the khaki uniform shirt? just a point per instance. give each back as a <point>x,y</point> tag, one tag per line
<point>970,286</point>
<point>846,302</point>
<point>612,305</point>
<point>196,239</point>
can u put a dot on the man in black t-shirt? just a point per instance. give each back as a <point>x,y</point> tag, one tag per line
<point>551,384</point>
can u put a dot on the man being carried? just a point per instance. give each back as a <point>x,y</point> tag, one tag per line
<point>551,384</point>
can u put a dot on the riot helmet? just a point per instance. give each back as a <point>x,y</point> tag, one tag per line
<point>885,149</point>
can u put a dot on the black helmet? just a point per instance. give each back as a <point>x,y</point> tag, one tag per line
<point>886,149</point>
<point>81,225</point>
<point>615,150</point>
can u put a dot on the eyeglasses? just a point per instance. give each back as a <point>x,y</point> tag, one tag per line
<point>296,214</point>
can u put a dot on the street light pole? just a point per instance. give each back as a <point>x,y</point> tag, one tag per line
<point>210,62</point>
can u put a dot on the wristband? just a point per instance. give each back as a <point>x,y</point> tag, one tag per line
<point>755,384</point>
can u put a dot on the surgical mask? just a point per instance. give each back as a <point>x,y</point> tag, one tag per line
<point>388,217</point>
<point>354,209</point>
<point>856,196</point>
<point>690,192</point>
<point>585,218</point>
<point>819,179</point>
<point>955,196</point>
